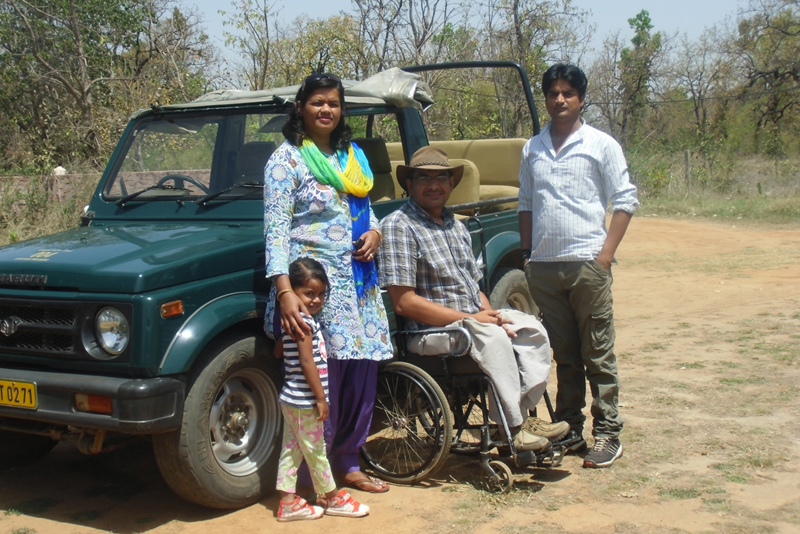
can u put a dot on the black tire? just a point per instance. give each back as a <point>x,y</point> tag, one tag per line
<point>225,454</point>
<point>412,427</point>
<point>18,449</point>
<point>510,290</point>
<point>501,480</point>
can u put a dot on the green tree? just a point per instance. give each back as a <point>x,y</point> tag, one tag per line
<point>76,68</point>
<point>636,72</point>
<point>534,34</point>
<point>253,23</point>
<point>766,49</point>
<point>315,45</point>
<point>70,45</point>
<point>704,76</point>
<point>604,99</point>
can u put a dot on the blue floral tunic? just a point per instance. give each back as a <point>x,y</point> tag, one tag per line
<point>303,218</point>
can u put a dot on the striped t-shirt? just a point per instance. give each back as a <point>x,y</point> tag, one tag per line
<point>296,391</point>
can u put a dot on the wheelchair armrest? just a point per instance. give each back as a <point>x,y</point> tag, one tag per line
<point>444,342</point>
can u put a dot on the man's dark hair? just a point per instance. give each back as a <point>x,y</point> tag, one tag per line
<point>294,129</point>
<point>563,71</point>
<point>304,269</point>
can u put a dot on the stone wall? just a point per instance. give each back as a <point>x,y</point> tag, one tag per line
<point>61,187</point>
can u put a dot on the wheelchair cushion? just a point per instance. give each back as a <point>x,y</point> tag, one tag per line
<point>436,343</point>
<point>450,347</point>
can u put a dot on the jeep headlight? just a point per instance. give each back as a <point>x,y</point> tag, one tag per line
<point>112,330</point>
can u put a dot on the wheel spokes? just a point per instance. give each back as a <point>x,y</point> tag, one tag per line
<point>409,425</point>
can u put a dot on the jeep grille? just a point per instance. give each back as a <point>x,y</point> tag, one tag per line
<point>48,328</point>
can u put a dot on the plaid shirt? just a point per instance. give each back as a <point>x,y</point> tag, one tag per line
<point>436,260</point>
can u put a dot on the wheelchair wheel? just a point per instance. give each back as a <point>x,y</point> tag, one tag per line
<point>468,418</point>
<point>412,426</point>
<point>499,481</point>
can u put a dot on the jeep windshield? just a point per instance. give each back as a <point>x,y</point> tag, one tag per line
<point>214,149</point>
<point>204,158</point>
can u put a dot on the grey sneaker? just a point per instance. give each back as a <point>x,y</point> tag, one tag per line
<point>551,431</point>
<point>604,453</point>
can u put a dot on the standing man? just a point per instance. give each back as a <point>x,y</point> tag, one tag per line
<point>428,267</point>
<point>570,173</point>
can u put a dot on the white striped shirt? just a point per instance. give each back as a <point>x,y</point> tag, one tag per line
<point>296,391</point>
<point>568,192</point>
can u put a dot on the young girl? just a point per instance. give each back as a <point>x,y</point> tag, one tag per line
<point>304,403</point>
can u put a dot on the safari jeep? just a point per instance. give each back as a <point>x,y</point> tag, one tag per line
<point>147,319</point>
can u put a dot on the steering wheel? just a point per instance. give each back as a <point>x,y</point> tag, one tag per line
<point>180,178</point>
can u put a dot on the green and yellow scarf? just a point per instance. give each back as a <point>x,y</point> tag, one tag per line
<point>356,180</point>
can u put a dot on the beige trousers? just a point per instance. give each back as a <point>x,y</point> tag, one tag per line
<point>519,367</point>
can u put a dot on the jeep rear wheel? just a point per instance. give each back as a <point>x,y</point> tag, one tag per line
<point>225,454</point>
<point>510,290</point>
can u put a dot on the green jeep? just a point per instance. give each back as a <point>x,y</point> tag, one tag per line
<point>147,320</point>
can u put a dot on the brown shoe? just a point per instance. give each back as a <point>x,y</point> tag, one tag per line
<point>523,441</point>
<point>551,431</point>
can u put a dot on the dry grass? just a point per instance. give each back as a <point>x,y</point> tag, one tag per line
<point>40,206</point>
<point>724,409</point>
<point>747,189</point>
<point>727,264</point>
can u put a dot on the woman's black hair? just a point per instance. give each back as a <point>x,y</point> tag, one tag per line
<point>294,129</point>
<point>304,269</point>
<point>563,71</point>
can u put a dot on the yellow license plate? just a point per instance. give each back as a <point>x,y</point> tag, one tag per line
<point>18,394</point>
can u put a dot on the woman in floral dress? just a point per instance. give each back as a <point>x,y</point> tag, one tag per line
<point>316,205</point>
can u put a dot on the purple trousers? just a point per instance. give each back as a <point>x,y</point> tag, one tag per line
<point>351,388</point>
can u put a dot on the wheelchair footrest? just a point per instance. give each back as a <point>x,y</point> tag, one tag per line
<point>552,458</point>
<point>525,458</point>
<point>574,445</point>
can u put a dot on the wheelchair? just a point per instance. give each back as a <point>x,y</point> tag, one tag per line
<point>434,400</point>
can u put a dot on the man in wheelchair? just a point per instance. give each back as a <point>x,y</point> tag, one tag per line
<point>428,267</point>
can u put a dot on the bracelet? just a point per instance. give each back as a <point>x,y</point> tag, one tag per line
<point>525,254</point>
<point>281,292</point>
<point>380,235</point>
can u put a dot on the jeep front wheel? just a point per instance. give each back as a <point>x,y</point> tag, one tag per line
<point>225,454</point>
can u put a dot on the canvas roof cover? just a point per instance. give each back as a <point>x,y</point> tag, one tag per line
<point>393,86</point>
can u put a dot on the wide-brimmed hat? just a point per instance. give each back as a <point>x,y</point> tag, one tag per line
<point>428,157</point>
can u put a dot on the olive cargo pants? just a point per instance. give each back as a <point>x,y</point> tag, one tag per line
<point>576,304</point>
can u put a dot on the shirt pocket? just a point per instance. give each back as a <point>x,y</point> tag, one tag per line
<point>576,176</point>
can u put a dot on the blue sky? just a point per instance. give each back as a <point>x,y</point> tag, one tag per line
<point>669,16</point>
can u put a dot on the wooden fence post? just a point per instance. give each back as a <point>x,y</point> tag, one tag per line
<point>688,172</point>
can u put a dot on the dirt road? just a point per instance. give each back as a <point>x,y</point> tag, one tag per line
<point>708,330</point>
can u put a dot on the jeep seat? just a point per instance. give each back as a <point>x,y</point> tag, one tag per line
<point>375,150</point>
